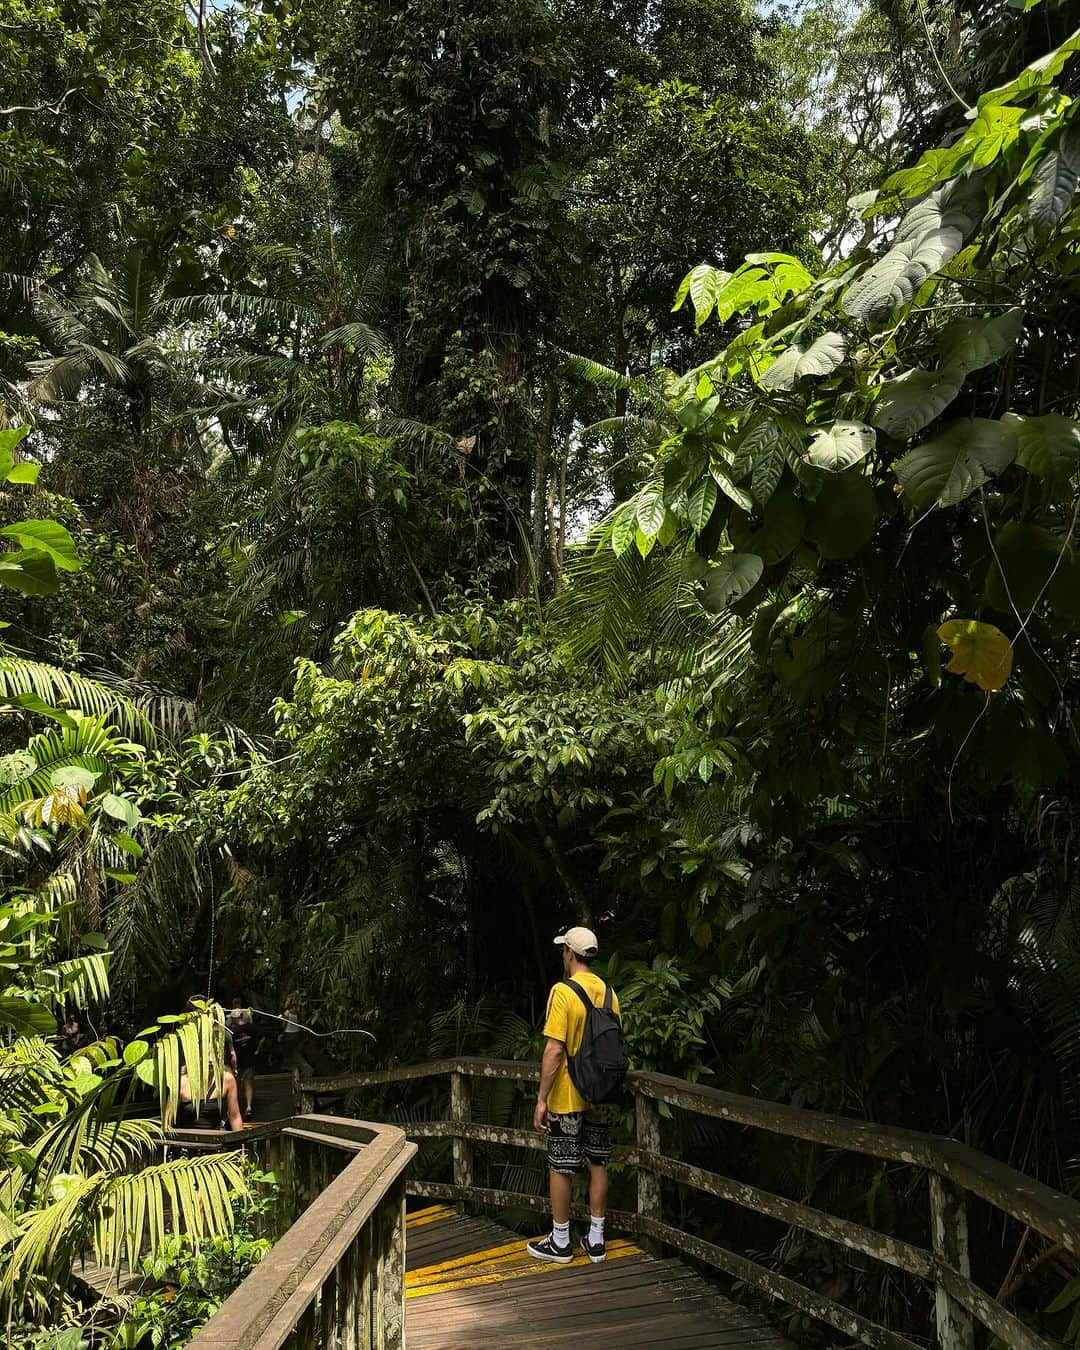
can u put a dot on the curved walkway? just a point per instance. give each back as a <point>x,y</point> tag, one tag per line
<point>470,1284</point>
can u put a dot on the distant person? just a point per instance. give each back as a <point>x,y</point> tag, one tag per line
<point>219,1105</point>
<point>292,1042</point>
<point>241,1026</point>
<point>215,1109</point>
<point>578,1132</point>
<point>72,1034</point>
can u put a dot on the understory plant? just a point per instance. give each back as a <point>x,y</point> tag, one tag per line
<point>192,1278</point>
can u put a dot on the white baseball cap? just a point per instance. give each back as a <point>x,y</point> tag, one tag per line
<point>581,941</point>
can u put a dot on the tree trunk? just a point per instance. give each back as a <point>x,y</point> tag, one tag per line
<point>621,479</point>
<point>541,480</point>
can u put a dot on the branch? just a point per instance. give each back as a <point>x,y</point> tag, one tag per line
<point>39,107</point>
<point>199,11</point>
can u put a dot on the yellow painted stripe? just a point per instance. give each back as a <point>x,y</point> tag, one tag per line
<point>428,1211</point>
<point>499,1266</point>
<point>455,1263</point>
<point>514,1270</point>
<point>433,1214</point>
<point>489,1256</point>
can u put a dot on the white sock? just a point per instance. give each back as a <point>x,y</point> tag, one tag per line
<point>596,1229</point>
<point>561,1233</point>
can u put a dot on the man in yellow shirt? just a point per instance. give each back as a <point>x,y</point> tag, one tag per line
<point>577,1132</point>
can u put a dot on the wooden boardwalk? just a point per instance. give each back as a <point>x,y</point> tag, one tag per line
<point>470,1283</point>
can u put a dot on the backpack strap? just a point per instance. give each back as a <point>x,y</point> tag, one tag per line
<point>580,993</point>
<point>586,999</point>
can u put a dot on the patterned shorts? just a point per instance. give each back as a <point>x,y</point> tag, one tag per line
<point>577,1138</point>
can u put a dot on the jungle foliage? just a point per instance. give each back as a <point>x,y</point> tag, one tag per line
<point>406,556</point>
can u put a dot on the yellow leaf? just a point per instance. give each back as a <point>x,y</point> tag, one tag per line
<point>980,652</point>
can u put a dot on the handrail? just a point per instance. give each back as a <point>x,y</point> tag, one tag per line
<point>954,1171</point>
<point>339,1270</point>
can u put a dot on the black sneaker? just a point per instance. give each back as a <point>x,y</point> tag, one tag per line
<point>546,1249</point>
<point>595,1251</point>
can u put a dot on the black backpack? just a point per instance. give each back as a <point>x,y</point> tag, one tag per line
<point>599,1067</point>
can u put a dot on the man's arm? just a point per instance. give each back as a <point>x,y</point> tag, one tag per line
<point>549,1067</point>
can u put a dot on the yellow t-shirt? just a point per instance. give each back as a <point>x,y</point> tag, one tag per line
<point>565,1022</point>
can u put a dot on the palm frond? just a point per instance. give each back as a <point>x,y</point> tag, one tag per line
<point>628,424</point>
<point>407,429</point>
<point>270,365</point>
<point>166,891</point>
<point>90,743</point>
<point>237,305</point>
<point>356,334</point>
<point>121,1214</point>
<point>66,689</point>
<point>595,372</point>
<point>82,979</point>
<point>197,1045</point>
<point>23,285</point>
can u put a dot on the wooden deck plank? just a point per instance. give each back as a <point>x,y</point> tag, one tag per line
<point>471,1286</point>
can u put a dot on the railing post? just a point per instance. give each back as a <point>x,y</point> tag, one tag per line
<point>647,1135</point>
<point>461,1113</point>
<point>303,1102</point>
<point>389,1309</point>
<point>948,1222</point>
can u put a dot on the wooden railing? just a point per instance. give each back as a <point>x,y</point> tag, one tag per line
<point>336,1279</point>
<point>954,1173</point>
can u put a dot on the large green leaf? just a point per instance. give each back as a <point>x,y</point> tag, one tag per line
<point>970,344</point>
<point>781,374</point>
<point>761,433</point>
<point>958,205</point>
<point>623,529</point>
<point>1054,179</point>
<point>1047,446</point>
<point>29,573</point>
<point>843,516</point>
<point>726,483</point>
<point>981,652</point>
<point>651,511</point>
<point>768,467</point>
<point>820,358</point>
<point>775,535</point>
<point>894,279</point>
<point>949,468</point>
<point>703,284</point>
<point>50,537</point>
<point>840,445</point>
<point>9,439</point>
<point>701,503</point>
<point>694,414</point>
<point>73,778</point>
<point>1036,565</point>
<point>27,1019</point>
<point>32,703</point>
<point>731,578</point>
<point>120,808</point>
<point>913,400</point>
<point>24,472</point>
